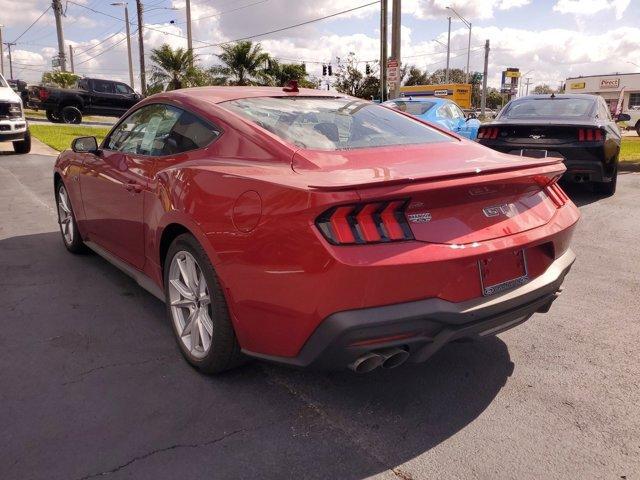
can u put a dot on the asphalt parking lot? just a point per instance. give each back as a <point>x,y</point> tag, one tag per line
<point>92,384</point>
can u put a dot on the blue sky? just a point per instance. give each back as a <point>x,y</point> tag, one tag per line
<point>551,38</point>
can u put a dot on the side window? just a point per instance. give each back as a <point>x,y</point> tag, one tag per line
<point>190,133</point>
<point>145,131</point>
<point>444,111</point>
<point>123,89</point>
<point>82,85</point>
<point>455,111</point>
<point>159,129</point>
<point>103,86</point>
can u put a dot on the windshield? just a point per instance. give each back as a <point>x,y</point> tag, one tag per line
<point>3,82</point>
<point>329,123</point>
<point>413,108</point>
<point>548,107</point>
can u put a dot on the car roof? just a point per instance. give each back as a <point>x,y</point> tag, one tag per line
<point>224,94</point>
<point>543,96</point>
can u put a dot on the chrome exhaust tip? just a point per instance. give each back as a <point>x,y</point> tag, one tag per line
<point>394,357</point>
<point>367,363</point>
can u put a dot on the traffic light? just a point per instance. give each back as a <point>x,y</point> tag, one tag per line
<point>330,70</point>
<point>324,70</point>
<point>367,69</point>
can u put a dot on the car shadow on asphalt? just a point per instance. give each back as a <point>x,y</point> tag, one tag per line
<point>96,385</point>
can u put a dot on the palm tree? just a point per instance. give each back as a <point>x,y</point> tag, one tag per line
<point>243,64</point>
<point>172,67</point>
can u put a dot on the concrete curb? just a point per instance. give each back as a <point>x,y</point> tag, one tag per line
<point>629,167</point>
<point>39,148</point>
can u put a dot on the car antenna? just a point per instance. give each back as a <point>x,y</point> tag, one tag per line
<point>291,86</point>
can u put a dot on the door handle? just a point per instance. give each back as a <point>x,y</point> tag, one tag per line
<point>132,186</point>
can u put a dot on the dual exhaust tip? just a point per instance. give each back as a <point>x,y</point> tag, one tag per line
<point>387,358</point>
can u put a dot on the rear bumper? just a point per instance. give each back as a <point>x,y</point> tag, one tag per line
<point>584,164</point>
<point>423,327</point>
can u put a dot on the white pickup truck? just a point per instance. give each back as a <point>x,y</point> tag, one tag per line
<point>13,126</point>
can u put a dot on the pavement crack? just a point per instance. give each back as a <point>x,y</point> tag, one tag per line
<point>177,446</point>
<point>334,425</point>
<point>81,376</point>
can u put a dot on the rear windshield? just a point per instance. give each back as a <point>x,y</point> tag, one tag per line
<point>548,107</point>
<point>329,123</point>
<point>414,108</point>
<point>3,84</point>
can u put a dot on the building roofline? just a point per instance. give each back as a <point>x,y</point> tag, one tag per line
<point>604,75</point>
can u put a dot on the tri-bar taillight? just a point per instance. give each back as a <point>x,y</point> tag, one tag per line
<point>590,135</point>
<point>365,223</point>
<point>556,194</point>
<point>488,132</point>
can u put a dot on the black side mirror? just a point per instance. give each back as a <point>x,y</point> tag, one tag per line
<point>471,116</point>
<point>623,117</point>
<point>85,145</point>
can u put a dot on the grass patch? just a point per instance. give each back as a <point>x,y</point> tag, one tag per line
<point>59,137</point>
<point>41,115</point>
<point>630,149</point>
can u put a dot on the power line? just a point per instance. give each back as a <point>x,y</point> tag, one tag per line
<point>32,24</point>
<point>106,49</point>
<point>290,26</point>
<point>99,43</point>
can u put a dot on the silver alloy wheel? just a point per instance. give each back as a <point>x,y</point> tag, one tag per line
<point>190,304</point>
<point>65,216</point>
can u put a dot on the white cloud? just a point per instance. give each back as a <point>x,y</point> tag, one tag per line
<point>479,9</point>
<point>591,7</point>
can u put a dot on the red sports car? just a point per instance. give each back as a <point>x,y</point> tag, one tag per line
<point>314,229</point>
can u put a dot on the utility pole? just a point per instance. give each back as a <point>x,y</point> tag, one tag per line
<point>57,11</point>
<point>143,75</point>
<point>485,74</point>
<point>383,50</point>
<point>446,73</point>
<point>468,25</point>
<point>128,32</point>
<point>1,52</point>
<point>469,53</point>
<point>527,83</point>
<point>71,58</point>
<point>396,19</point>
<point>9,45</point>
<point>189,39</point>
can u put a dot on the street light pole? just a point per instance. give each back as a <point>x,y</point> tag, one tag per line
<point>9,45</point>
<point>143,75</point>
<point>446,73</point>
<point>57,11</point>
<point>189,39</point>
<point>1,53</point>
<point>468,24</point>
<point>395,43</point>
<point>383,50</point>
<point>126,21</point>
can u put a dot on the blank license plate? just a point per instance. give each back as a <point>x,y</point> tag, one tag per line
<point>503,271</point>
<point>533,153</point>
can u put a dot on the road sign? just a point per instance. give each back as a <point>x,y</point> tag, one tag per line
<point>393,73</point>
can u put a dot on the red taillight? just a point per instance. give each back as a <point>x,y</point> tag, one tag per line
<point>43,94</point>
<point>488,132</point>
<point>557,195</point>
<point>590,135</point>
<point>365,223</point>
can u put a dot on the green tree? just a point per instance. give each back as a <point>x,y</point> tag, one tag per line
<point>243,63</point>
<point>61,79</point>
<point>456,75</point>
<point>172,68</point>
<point>350,80</point>
<point>415,76</point>
<point>283,73</point>
<point>494,98</point>
<point>543,89</point>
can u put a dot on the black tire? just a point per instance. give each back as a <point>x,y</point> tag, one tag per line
<point>53,116</point>
<point>71,114</point>
<point>638,128</point>
<point>608,188</point>
<point>76,246</point>
<point>224,352</point>
<point>23,146</point>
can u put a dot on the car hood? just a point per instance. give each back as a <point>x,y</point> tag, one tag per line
<point>8,95</point>
<point>402,164</point>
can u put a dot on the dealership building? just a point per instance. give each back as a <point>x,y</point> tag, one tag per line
<point>609,87</point>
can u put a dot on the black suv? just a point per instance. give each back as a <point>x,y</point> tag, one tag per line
<point>90,96</point>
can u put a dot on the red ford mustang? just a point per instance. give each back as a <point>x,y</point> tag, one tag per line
<point>317,230</point>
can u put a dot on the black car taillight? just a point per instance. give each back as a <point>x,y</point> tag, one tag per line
<point>488,132</point>
<point>590,135</point>
<point>365,223</point>
<point>43,94</point>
